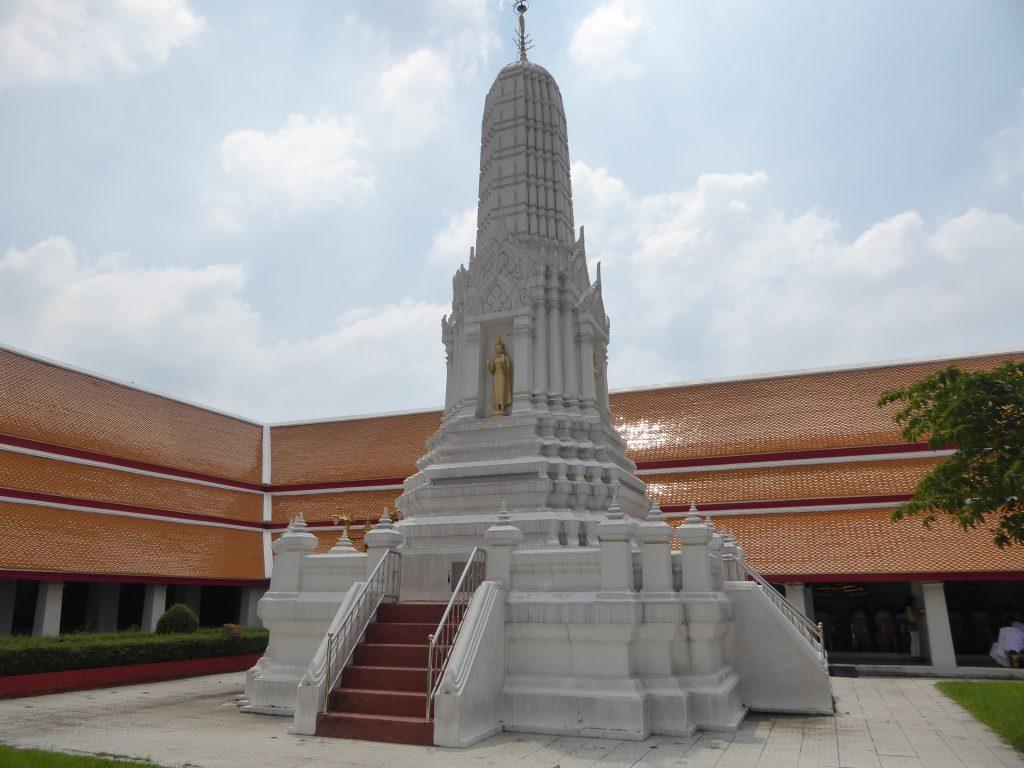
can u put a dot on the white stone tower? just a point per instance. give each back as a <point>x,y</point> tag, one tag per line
<point>552,456</point>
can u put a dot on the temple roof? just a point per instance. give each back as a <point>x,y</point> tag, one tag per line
<point>803,467</point>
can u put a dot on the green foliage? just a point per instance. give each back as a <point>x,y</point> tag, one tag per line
<point>22,655</point>
<point>981,414</point>
<point>11,757</point>
<point>997,703</point>
<point>178,619</point>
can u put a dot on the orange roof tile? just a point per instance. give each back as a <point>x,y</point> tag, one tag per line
<point>46,402</point>
<point>54,476</point>
<point>352,449</point>
<point>357,505</point>
<point>864,542</point>
<point>805,411</point>
<point>37,538</point>
<point>804,481</point>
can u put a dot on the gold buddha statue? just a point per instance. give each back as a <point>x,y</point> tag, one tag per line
<point>500,367</point>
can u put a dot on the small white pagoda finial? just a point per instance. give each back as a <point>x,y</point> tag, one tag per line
<point>298,523</point>
<point>503,514</point>
<point>614,510</point>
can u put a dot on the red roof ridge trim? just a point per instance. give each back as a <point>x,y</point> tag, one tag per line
<point>834,501</point>
<point>62,451</point>
<point>92,505</point>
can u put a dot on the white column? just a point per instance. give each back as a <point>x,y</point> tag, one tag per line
<point>153,606</point>
<point>469,367</point>
<point>522,363</point>
<point>449,379</point>
<point>588,392</point>
<point>48,605</point>
<point>540,347</point>
<point>8,591</point>
<point>192,596</point>
<point>940,638</point>
<point>797,597</point>
<point>569,357</point>
<point>101,607</point>
<point>247,616</point>
<point>554,345</point>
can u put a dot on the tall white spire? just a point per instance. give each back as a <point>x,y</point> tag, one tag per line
<point>525,187</point>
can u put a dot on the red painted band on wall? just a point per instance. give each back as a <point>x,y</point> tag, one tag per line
<point>8,574</point>
<point>818,578</point>
<point>834,501</point>
<point>110,506</point>
<point>14,686</point>
<point>103,458</point>
<point>758,458</point>
<point>851,452</point>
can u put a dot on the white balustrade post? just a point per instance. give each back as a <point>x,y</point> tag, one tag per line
<point>289,550</point>
<point>695,537</point>
<point>501,540</point>
<point>615,535</point>
<point>656,557</point>
<point>380,539</point>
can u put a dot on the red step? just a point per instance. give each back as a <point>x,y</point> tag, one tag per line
<point>385,678</point>
<point>399,632</point>
<point>392,728</point>
<point>382,695</point>
<point>411,613</point>
<point>391,655</point>
<point>377,702</point>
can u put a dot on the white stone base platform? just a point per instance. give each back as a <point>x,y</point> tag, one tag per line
<point>881,723</point>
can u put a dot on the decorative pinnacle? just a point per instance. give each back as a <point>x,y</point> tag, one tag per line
<point>523,41</point>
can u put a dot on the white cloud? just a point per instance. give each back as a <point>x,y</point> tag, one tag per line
<point>1008,150</point>
<point>606,39</point>
<point>415,94</point>
<point>451,245</point>
<point>79,40</point>
<point>718,280</point>
<point>191,333</point>
<point>309,164</point>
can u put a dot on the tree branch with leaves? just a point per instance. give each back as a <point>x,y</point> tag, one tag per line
<point>981,415</point>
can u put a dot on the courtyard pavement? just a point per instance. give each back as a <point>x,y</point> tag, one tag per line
<point>881,722</point>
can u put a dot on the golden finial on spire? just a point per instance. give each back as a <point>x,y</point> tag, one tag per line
<point>523,40</point>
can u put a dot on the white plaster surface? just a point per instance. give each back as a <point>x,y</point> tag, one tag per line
<point>881,723</point>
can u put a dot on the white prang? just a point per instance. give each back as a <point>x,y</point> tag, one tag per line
<point>555,456</point>
<point>589,622</point>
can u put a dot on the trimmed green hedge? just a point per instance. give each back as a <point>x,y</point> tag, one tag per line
<point>22,655</point>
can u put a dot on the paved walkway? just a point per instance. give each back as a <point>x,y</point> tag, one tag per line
<point>882,723</point>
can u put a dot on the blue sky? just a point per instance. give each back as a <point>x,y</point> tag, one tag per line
<point>259,206</point>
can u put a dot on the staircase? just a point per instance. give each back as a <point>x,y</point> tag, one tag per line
<point>382,695</point>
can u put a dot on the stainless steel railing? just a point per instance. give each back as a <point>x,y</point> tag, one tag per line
<point>382,585</point>
<point>807,628</point>
<point>443,639</point>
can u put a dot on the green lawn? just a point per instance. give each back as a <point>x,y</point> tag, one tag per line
<point>999,704</point>
<point>11,757</point>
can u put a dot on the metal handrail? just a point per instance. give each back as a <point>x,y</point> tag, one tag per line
<point>443,639</point>
<point>346,629</point>
<point>801,623</point>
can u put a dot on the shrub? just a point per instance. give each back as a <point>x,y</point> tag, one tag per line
<point>21,655</point>
<point>178,619</point>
